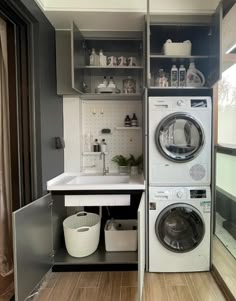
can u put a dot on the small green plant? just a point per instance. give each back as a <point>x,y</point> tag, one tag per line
<point>121,160</point>
<point>135,161</point>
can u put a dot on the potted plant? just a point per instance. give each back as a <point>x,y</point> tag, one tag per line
<point>123,163</point>
<point>135,164</point>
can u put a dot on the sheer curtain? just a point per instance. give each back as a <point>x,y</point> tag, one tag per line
<point>6,248</point>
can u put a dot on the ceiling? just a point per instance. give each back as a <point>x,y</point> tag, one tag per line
<point>116,15</point>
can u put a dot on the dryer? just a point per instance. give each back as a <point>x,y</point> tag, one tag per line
<point>179,229</point>
<point>180,141</point>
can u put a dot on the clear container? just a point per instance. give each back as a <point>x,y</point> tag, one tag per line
<point>129,85</point>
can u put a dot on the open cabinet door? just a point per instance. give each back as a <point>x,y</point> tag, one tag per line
<point>141,246</point>
<point>216,47</point>
<point>77,58</point>
<point>32,239</point>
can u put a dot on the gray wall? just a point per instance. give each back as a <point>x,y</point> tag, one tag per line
<point>50,161</point>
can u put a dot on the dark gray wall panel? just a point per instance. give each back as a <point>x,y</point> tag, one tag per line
<point>51,105</point>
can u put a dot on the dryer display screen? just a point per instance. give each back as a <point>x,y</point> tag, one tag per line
<point>198,194</point>
<point>198,103</point>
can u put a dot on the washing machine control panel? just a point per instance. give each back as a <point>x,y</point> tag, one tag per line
<point>180,102</point>
<point>180,194</point>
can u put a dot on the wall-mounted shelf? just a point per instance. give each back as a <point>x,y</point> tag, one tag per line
<point>92,153</point>
<point>124,128</point>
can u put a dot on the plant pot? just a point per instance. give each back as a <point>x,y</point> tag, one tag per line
<point>123,170</point>
<point>134,170</point>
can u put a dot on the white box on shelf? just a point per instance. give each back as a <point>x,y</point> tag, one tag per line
<point>125,238</point>
<point>177,49</point>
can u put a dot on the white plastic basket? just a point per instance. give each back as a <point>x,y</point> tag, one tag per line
<point>125,238</point>
<point>82,233</point>
<point>183,49</point>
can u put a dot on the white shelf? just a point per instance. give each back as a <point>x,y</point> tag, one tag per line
<point>124,128</point>
<point>93,153</point>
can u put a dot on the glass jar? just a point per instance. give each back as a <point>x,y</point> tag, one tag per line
<point>129,85</point>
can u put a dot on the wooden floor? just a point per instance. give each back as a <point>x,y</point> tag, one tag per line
<point>122,286</point>
<point>225,264</point>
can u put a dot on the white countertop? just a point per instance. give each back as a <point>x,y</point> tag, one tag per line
<point>62,182</point>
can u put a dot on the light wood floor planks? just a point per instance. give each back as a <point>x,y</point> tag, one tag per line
<point>122,286</point>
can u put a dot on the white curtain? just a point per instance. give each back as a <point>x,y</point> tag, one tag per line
<point>6,248</point>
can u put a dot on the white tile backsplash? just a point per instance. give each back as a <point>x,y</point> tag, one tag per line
<point>82,117</point>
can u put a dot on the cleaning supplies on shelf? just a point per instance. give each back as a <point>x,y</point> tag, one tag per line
<point>134,120</point>
<point>127,121</point>
<point>162,79</point>
<point>102,58</point>
<point>182,76</point>
<point>174,76</point>
<point>103,146</point>
<point>122,61</point>
<point>111,84</point>
<point>96,146</point>
<point>194,77</point>
<point>111,61</point>
<point>93,58</point>
<point>129,85</point>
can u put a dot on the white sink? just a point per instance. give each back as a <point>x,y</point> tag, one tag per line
<point>93,180</point>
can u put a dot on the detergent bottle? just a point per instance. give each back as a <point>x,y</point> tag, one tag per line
<point>194,77</point>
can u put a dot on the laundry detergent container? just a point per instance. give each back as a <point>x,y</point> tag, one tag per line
<point>82,233</point>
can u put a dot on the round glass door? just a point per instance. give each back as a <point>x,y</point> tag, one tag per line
<point>180,228</point>
<point>179,137</point>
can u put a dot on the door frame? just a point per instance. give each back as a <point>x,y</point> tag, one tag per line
<point>23,32</point>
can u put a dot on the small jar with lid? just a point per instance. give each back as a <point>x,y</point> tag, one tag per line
<point>129,85</point>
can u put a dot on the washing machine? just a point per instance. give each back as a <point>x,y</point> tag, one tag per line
<point>179,229</point>
<point>180,141</point>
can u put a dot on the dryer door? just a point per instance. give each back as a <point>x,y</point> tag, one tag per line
<point>180,228</point>
<point>179,137</point>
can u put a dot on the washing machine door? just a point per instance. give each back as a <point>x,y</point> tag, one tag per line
<point>179,137</point>
<point>180,228</point>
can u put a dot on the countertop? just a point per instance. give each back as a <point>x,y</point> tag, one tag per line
<point>61,183</point>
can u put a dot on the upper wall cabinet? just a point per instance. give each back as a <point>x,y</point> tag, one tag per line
<point>100,64</point>
<point>165,48</point>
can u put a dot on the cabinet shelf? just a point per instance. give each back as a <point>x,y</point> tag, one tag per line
<point>98,257</point>
<point>123,128</point>
<point>109,67</point>
<point>176,88</point>
<point>162,56</point>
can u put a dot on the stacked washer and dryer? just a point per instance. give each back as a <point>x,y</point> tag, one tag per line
<point>180,151</point>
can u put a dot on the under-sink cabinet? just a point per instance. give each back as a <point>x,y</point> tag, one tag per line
<point>39,240</point>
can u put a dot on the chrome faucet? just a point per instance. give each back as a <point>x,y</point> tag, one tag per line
<point>105,170</point>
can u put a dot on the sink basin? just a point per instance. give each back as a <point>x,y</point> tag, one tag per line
<point>96,180</point>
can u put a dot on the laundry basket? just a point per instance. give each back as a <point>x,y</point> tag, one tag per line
<point>82,233</point>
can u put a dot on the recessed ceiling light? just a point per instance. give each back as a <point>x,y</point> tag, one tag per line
<point>231,49</point>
